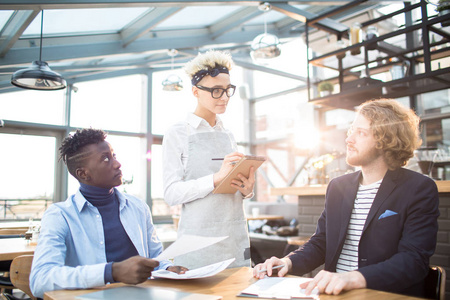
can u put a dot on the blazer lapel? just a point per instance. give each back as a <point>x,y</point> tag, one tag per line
<point>387,186</point>
<point>348,201</point>
<point>345,198</point>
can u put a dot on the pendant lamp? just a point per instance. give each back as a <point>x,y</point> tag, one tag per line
<point>39,76</point>
<point>265,45</point>
<point>173,82</point>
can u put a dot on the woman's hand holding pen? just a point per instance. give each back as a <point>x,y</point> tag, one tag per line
<point>228,164</point>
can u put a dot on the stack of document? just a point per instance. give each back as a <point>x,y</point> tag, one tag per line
<point>279,288</point>
<point>202,272</point>
<point>188,243</point>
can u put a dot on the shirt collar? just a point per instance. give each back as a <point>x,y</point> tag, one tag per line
<point>81,202</point>
<point>195,121</point>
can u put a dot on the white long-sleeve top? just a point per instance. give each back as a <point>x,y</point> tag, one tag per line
<point>177,190</point>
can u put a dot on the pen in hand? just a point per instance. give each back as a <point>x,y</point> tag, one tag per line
<point>231,163</point>
<point>273,268</point>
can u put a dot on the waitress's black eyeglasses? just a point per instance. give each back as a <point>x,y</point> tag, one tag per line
<point>216,93</point>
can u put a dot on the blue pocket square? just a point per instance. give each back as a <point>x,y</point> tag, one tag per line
<point>387,213</point>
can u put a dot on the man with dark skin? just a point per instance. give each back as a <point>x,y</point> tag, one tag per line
<point>98,235</point>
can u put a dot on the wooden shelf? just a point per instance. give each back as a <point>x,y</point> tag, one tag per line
<point>381,61</point>
<point>408,86</point>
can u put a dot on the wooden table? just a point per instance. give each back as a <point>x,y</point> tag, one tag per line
<point>227,284</point>
<point>16,224</point>
<point>264,217</point>
<point>320,189</point>
<point>10,248</point>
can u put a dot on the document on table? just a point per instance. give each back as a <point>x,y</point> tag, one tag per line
<point>188,243</point>
<point>279,288</point>
<point>202,272</point>
<point>148,292</point>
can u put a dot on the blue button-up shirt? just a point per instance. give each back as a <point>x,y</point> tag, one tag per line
<point>71,248</point>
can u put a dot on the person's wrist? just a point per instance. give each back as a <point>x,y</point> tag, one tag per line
<point>287,262</point>
<point>215,179</point>
<point>358,280</point>
<point>249,195</point>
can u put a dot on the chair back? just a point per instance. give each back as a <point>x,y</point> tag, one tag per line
<point>20,273</point>
<point>435,283</point>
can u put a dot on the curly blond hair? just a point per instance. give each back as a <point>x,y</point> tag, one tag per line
<point>395,129</point>
<point>208,60</point>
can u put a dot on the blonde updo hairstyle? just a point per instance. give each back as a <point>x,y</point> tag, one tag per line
<point>207,61</point>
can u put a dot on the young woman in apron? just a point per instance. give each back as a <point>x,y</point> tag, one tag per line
<point>190,173</point>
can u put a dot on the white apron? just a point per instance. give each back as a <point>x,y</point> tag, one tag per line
<point>216,214</point>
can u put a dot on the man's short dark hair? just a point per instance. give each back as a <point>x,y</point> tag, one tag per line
<point>72,147</point>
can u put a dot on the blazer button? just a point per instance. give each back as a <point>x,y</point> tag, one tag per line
<point>363,259</point>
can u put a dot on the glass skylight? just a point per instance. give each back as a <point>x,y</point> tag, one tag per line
<point>4,17</point>
<point>77,21</point>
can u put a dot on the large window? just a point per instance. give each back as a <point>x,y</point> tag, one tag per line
<point>27,175</point>
<point>130,152</point>
<point>434,108</point>
<point>169,107</point>
<point>30,163</point>
<point>287,129</point>
<point>33,106</point>
<point>110,104</point>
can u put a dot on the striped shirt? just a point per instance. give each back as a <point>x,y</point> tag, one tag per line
<point>348,260</point>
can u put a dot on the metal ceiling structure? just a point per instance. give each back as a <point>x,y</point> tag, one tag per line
<point>142,43</point>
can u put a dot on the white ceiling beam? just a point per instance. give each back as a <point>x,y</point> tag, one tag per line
<point>301,15</point>
<point>279,94</point>
<point>60,49</point>
<point>68,4</point>
<point>14,28</point>
<point>251,66</point>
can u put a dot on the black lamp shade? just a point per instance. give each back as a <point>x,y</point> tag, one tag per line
<point>38,77</point>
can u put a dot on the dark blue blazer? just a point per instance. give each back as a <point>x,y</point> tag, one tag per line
<point>394,251</point>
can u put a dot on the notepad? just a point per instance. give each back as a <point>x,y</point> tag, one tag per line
<point>279,288</point>
<point>151,293</point>
<point>243,167</point>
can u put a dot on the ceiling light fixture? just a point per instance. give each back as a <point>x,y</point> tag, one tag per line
<point>39,76</point>
<point>265,45</point>
<point>173,82</point>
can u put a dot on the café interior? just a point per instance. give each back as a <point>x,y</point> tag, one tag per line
<point>300,69</point>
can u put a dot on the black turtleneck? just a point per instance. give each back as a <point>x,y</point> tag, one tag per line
<point>118,245</point>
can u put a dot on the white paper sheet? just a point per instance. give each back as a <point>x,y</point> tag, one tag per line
<point>188,243</point>
<point>279,288</point>
<point>202,272</point>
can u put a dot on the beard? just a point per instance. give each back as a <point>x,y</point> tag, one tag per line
<point>358,159</point>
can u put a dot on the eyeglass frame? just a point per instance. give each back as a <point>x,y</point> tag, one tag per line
<point>211,90</point>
